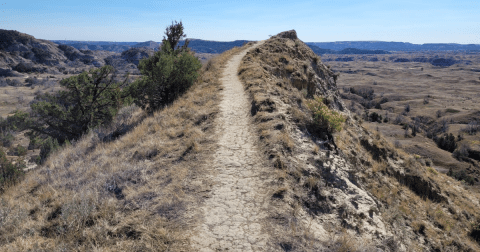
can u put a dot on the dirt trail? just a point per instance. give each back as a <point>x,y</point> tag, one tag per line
<point>238,204</point>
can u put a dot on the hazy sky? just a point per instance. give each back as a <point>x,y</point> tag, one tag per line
<point>438,21</point>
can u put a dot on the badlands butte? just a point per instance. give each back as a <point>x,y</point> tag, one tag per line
<point>261,154</point>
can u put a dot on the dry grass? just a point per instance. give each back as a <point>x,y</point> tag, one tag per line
<point>346,242</point>
<point>19,97</point>
<point>441,222</point>
<point>129,194</point>
<point>379,167</point>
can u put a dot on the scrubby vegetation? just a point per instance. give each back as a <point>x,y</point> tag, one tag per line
<point>472,127</point>
<point>447,142</point>
<point>325,118</point>
<point>9,82</point>
<point>19,121</point>
<point>167,74</point>
<point>89,100</point>
<point>9,38</point>
<point>365,96</point>
<point>92,98</point>
<point>10,173</point>
<point>461,176</point>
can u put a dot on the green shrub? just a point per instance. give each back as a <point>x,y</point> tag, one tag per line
<point>446,142</point>
<point>10,173</point>
<point>34,143</point>
<point>453,111</point>
<point>20,151</point>
<point>19,121</point>
<point>6,139</point>
<point>40,54</point>
<point>49,146</point>
<point>462,176</point>
<point>375,117</point>
<point>325,118</point>
<point>167,74</point>
<point>475,231</point>
<point>86,101</point>
<point>366,92</point>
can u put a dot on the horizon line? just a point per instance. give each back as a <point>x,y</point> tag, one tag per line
<point>344,41</point>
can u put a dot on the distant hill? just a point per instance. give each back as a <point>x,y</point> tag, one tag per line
<point>100,43</point>
<point>21,53</point>
<point>197,45</point>
<point>361,51</point>
<point>341,47</point>
<point>393,46</point>
<point>206,46</point>
<point>321,51</point>
<point>148,44</point>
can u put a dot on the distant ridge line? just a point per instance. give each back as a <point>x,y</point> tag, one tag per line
<point>197,45</point>
<point>394,46</point>
<point>210,46</point>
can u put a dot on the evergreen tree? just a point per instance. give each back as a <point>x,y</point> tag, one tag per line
<point>88,100</point>
<point>174,34</point>
<point>167,74</point>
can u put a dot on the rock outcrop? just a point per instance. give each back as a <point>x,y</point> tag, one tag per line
<point>24,53</point>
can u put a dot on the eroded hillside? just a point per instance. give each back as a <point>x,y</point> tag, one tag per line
<point>350,188</point>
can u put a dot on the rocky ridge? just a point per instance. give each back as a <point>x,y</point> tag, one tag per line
<point>351,185</point>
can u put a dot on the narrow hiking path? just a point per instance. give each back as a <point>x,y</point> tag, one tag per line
<point>234,214</point>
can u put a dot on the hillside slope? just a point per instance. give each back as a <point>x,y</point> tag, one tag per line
<point>349,190</point>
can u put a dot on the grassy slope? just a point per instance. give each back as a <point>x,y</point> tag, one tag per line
<point>130,194</point>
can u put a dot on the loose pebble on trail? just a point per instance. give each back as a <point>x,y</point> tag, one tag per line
<point>234,214</point>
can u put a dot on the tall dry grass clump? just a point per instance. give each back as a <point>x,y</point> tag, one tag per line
<point>120,192</point>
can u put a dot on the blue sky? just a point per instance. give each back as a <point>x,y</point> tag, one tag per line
<point>439,21</point>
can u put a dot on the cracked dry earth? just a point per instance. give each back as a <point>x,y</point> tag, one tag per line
<point>234,214</point>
